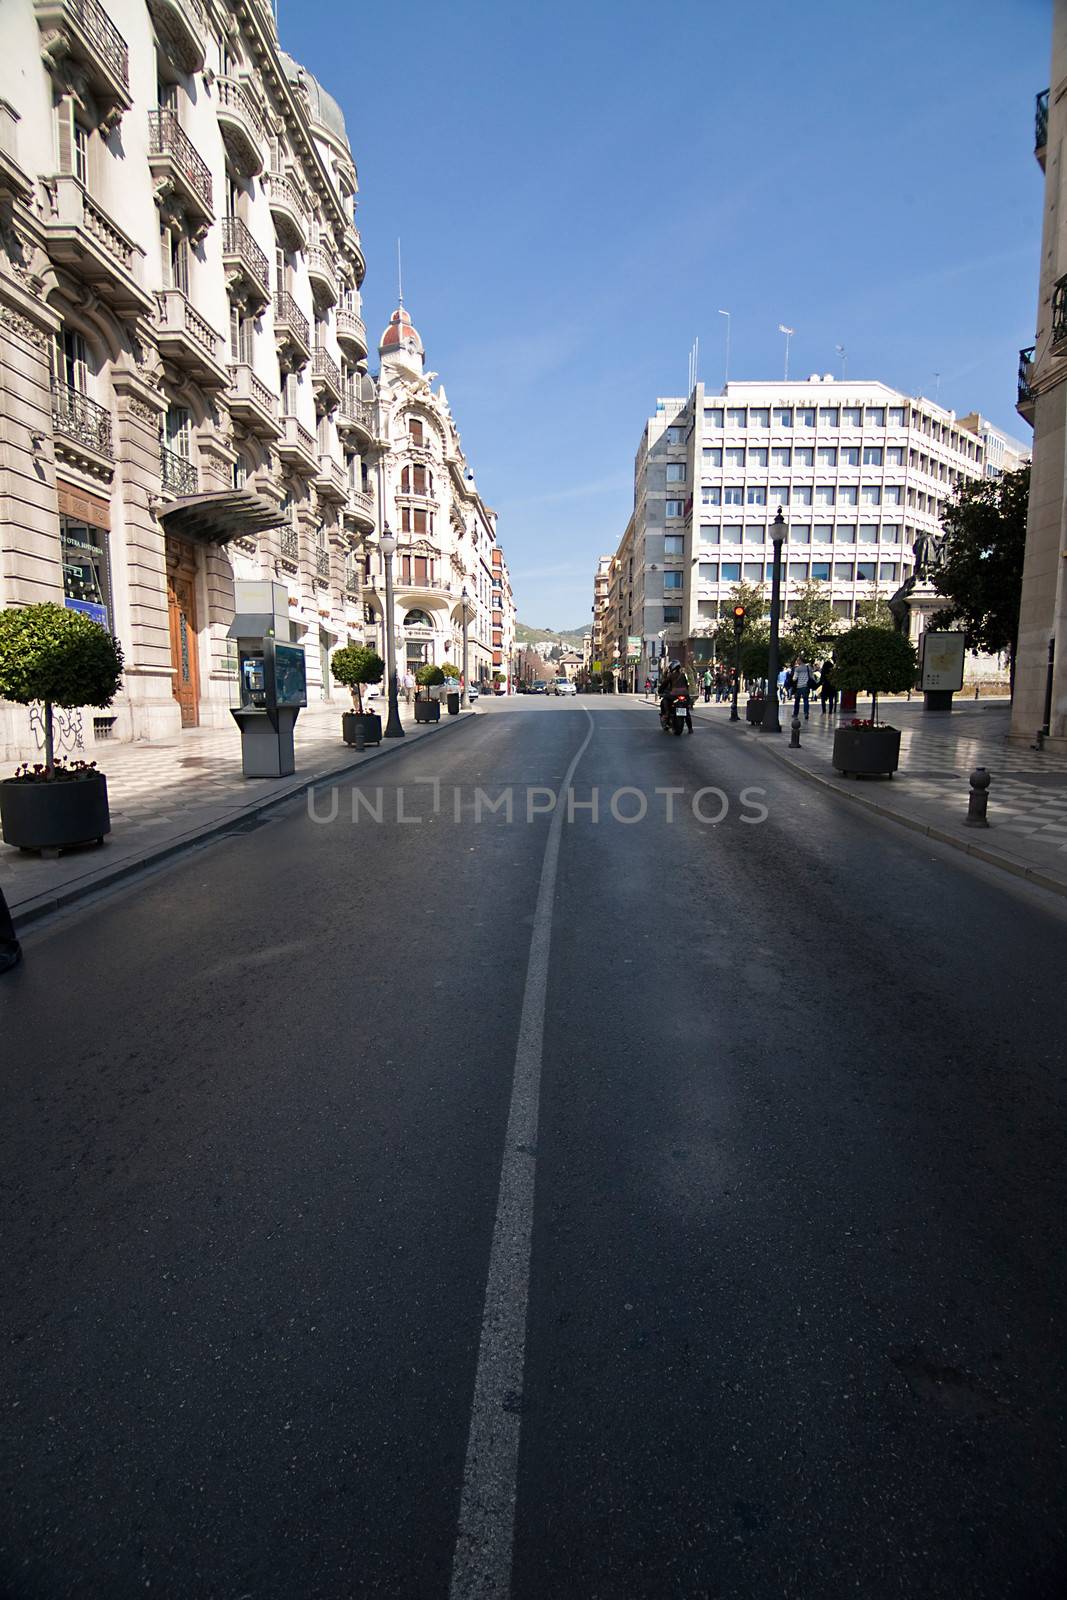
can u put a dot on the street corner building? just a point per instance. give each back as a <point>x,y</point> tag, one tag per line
<point>185,399</point>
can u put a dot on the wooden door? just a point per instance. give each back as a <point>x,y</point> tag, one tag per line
<point>181,605</point>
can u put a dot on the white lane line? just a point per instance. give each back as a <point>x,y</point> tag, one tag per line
<point>481,1566</point>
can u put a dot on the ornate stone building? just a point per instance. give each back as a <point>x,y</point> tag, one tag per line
<point>447,540</point>
<point>184,398</point>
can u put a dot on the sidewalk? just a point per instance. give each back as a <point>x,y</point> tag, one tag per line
<point>1027,814</point>
<point>164,797</point>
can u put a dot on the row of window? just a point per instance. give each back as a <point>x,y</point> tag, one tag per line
<point>784,494</point>
<point>738,456</point>
<point>799,533</point>
<point>757,417</point>
<point>796,572</point>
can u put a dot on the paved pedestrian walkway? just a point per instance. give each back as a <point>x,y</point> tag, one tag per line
<point>938,752</point>
<point>164,797</point>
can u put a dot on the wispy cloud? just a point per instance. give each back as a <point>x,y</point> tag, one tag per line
<point>577,491</point>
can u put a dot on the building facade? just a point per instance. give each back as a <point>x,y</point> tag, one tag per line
<point>184,397</point>
<point>1040,699</point>
<point>448,563</point>
<point>861,472</point>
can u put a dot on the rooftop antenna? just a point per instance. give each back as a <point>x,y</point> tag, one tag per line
<point>399,277</point>
<point>789,332</point>
<point>843,353</point>
<point>726,377</point>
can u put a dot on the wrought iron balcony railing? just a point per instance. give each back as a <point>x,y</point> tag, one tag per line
<point>1026,362</point>
<point>322,563</point>
<point>1041,120</point>
<point>167,137</point>
<point>102,31</point>
<point>287,312</point>
<point>178,472</point>
<point>80,418</point>
<point>238,241</point>
<point>290,544</point>
<point>325,367</point>
<point>1059,311</point>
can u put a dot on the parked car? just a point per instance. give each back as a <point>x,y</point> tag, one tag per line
<point>540,687</point>
<point>473,692</point>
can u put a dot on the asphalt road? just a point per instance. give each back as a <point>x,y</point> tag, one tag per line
<point>776,1298</point>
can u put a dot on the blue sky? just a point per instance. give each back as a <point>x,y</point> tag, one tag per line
<point>579,187</point>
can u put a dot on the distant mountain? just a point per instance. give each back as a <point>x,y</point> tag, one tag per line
<point>571,637</point>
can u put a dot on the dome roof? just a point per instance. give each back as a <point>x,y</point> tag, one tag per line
<point>400,330</point>
<point>324,108</point>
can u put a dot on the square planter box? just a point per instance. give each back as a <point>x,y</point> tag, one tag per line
<point>866,752</point>
<point>372,726</point>
<point>427,710</point>
<point>754,713</point>
<point>54,816</point>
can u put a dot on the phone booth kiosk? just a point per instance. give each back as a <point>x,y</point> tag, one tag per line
<point>271,681</point>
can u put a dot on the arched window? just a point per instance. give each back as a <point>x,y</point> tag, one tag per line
<point>405,481</point>
<point>417,619</point>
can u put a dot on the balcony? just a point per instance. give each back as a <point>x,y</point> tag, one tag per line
<point>330,483</point>
<point>1059,317</point>
<point>186,340</point>
<point>325,380</point>
<point>1041,127</point>
<point>82,430</point>
<point>290,544</point>
<point>80,32</point>
<point>322,564</point>
<point>359,417</point>
<point>288,210</point>
<point>297,447</point>
<point>181,174</point>
<point>241,127</point>
<point>179,475</point>
<point>180,25</point>
<point>323,275</point>
<point>361,506</point>
<point>242,257</point>
<point>1025,403</point>
<point>292,331</point>
<point>252,403</point>
<point>82,237</point>
<point>351,330</point>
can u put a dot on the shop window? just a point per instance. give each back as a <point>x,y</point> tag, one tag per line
<point>86,570</point>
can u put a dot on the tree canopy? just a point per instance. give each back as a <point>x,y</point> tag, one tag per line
<point>981,570</point>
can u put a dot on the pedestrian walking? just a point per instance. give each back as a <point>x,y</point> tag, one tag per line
<point>827,689</point>
<point>707,683</point>
<point>10,949</point>
<point>783,686</point>
<point>649,686</point>
<point>803,683</point>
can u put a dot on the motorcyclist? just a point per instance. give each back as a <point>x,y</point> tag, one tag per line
<point>674,681</point>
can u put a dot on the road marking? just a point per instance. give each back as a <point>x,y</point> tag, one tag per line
<point>481,1566</point>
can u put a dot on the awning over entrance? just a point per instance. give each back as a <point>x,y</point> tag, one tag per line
<point>217,518</point>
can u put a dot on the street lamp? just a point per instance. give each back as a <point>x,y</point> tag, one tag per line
<point>771,722</point>
<point>463,700</point>
<point>739,628</point>
<point>387,545</point>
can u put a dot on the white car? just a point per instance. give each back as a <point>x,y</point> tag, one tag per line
<point>564,686</point>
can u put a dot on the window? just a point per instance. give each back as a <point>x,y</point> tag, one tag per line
<point>865,571</point>
<point>709,532</point>
<point>415,431</point>
<point>290,393</point>
<point>779,494</point>
<point>759,417</point>
<point>849,455</point>
<point>731,535</point>
<point>710,497</point>
<point>86,570</point>
<point>827,456</point>
<point>843,571</point>
<point>892,495</point>
<point>675,471</point>
<point>241,331</point>
<point>845,533</point>
<point>81,154</point>
<point>711,457</point>
<point>868,532</point>
<point>829,416</point>
<point>783,417</point>
<point>896,416</point>
<point>872,495</point>
<point>801,494</point>
<point>675,508</point>
<point>852,416</point>
<point>673,544</point>
<point>736,416</point>
<point>672,580</point>
<point>820,571</point>
<point>757,458</point>
<point>675,435</point>
<point>803,456</point>
<point>712,417</point>
<point>735,458</point>
<point>781,456</point>
<point>887,571</point>
<point>672,613</point>
<point>890,532</point>
<point>731,571</point>
<point>177,431</point>
<point>800,533</point>
<point>708,571</point>
<point>175,260</point>
<point>842,608</point>
<point>805,416</point>
<point>756,496</point>
<point>847,494</point>
<point>876,416</point>
<point>755,533</point>
<point>753,571</point>
<point>733,497</point>
<point>70,359</point>
<point>798,571</point>
<point>823,532</point>
<point>872,455</point>
<point>824,494</point>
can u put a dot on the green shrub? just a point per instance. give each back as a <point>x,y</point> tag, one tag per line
<point>354,665</point>
<point>60,657</point>
<point>876,659</point>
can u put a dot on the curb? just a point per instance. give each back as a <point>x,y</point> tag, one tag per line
<point>51,900</point>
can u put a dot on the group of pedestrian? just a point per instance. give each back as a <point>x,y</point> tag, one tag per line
<point>801,679</point>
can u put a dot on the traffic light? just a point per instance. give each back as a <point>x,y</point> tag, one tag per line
<point>739,620</point>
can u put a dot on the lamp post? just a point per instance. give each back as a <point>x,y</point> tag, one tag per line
<point>771,722</point>
<point>387,545</point>
<point>739,628</point>
<point>463,697</point>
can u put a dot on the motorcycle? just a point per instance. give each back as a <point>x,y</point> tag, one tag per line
<point>676,713</point>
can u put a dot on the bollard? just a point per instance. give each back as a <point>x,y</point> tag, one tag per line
<point>794,733</point>
<point>361,735</point>
<point>978,799</point>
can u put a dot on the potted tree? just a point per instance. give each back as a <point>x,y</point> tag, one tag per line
<point>353,666</point>
<point>427,706</point>
<point>755,658</point>
<point>61,658</point>
<point>881,661</point>
<point>452,676</point>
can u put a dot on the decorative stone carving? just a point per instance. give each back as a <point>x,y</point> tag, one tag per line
<point>23,327</point>
<point>143,411</point>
